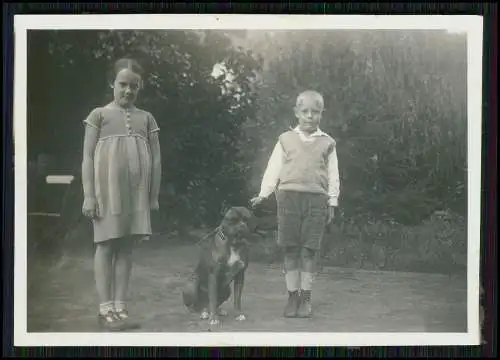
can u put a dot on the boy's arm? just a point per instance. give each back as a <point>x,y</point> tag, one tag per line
<point>271,175</point>
<point>333,179</point>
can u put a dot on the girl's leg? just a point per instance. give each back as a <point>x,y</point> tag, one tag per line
<point>122,270</point>
<point>103,262</point>
<point>103,272</point>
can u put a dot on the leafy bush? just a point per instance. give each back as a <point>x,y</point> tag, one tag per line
<point>199,114</point>
<point>395,103</point>
<point>437,245</point>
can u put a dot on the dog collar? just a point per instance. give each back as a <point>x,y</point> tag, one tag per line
<point>221,234</point>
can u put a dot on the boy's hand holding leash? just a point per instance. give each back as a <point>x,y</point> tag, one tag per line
<point>256,201</point>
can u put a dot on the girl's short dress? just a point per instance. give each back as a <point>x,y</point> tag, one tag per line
<point>122,171</point>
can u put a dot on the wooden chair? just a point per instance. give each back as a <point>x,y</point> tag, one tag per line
<point>50,212</point>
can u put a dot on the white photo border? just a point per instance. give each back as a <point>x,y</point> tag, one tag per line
<point>471,25</point>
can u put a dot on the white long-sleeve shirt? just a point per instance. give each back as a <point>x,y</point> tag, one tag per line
<point>271,175</point>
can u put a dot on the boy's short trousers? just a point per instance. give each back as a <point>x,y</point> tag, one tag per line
<point>301,218</point>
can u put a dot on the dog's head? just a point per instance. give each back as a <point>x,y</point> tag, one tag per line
<point>237,223</point>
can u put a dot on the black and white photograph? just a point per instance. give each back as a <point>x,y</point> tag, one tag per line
<point>254,180</point>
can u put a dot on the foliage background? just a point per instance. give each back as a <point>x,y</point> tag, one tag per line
<point>396,105</point>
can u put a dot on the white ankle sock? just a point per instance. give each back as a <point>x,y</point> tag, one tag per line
<point>106,307</point>
<point>120,305</point>
<point>292,278</point>
<point>306,280</point>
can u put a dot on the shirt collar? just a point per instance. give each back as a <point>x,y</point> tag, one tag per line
<point>114,105</point>
<point>318,132</point>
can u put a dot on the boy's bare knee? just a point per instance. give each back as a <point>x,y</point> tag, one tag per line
<point>292,255</point>
<point>292,251</point>
<point>292,258</point>
<point>308,259</point>
<point>307,254</point>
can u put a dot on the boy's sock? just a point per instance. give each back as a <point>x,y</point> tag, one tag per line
<point>293,284</point>
<point>306,284</point>
<point>305,310</point>
<point>292,278</point>
<point>106,307</point>
<point>306,294</point>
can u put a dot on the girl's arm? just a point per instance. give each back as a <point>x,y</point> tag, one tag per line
<point>89,145</point>
<point>154,144</point>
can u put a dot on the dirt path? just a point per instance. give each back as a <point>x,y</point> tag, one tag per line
<point>345,300</point>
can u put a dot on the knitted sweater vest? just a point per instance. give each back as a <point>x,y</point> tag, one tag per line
<point>305,166</point>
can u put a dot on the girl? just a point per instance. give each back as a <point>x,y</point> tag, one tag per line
<point>121,173</point>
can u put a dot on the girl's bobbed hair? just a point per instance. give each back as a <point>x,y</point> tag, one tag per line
<point>124,63</point>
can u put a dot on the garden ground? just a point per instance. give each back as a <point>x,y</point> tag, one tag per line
<point>63,298</point>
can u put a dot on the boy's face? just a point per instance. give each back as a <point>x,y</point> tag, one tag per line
<point>126,87</point>
<point>309,112</point>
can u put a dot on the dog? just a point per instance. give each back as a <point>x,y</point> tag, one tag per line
<point>222,261</point>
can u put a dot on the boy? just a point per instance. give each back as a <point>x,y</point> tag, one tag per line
<point>304,173</point>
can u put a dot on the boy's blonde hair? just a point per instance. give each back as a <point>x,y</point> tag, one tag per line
<point>310,94</point>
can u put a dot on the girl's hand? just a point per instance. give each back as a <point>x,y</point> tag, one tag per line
<point>256,201</point>
<point>331,214</point>
<point>155,205</point>
<point>89,208</point>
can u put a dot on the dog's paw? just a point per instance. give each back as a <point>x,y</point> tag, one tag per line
<point>241,317</point>
<point>204,315</point>
<point>214,322</point>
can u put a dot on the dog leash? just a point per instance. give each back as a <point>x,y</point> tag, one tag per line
<point>208,235</point>
<point>218,231</point>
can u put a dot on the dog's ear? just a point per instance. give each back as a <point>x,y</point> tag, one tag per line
<point>232,214</point>
<point>247,213</point>
<point>225,208</point>
<point>243,212</point>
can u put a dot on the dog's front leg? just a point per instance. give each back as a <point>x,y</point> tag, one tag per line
<point>212,298</point>
<point>239,281</point>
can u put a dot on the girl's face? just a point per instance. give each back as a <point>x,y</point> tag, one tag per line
<point>309,114</point>
<point>126,87</point>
